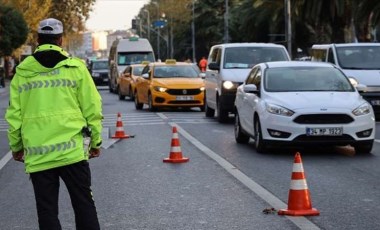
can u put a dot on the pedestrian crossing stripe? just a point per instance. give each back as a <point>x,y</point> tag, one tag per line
<point>143,119</point>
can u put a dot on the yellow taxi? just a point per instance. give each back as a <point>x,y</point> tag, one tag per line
<point>127,80</point>
<point>170,84</point>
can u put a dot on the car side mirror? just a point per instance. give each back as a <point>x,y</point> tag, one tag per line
<point>250,88</point>
<point>214,66</point>
<point>145,75</point>
<point>202,75</point>
<point>361,87</point>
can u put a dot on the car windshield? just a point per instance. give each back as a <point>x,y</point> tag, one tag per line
<point>137,70</point>
<point>247,57</point>
<point>100,65</point>
<point>134,58</point>
<point>185,71</point>
<point>359,57</point>
<point>293,79</point>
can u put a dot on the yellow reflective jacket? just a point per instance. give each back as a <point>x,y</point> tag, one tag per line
<point>48,109</point>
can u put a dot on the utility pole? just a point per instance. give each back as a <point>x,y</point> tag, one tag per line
<point>226,35</point>
<point>288,26</point>
<point>148,23</point>
<point>193,33</point>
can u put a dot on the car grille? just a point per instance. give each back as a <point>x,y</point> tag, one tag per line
<point>323,119</point>
<point>183,91</point>
<point>324,139</point>
<point>104,75</point>
<point>184,102</point>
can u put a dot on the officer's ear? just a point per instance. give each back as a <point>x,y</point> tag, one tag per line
<point>60,41</point>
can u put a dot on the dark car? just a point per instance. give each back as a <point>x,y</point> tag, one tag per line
<point>99,71</point>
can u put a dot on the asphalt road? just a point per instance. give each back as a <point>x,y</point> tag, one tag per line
<point>223,186</point>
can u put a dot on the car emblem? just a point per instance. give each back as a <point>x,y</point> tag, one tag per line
<point>184,91</point>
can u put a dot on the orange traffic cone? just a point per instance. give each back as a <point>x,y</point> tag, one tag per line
<point>299,202</point>
<point>175,151</point>
<point>119,129</point>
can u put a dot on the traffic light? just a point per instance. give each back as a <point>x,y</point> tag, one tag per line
<point>134,24</point>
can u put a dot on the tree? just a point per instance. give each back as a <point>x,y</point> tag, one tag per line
<point>13,30</point>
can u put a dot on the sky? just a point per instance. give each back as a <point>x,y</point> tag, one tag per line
<point>114,14</point>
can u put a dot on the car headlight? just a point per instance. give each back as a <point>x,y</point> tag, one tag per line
<point>362,110</point>
<point>96,74</point>
<point>353,81</point>
<point>230,85</point>
<point>202,89</point>
<point>278,110</point>
<point>160,89</point>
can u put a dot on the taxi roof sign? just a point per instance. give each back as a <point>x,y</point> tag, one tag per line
<point>170,61</point>
<point>133,39</point>
<point>145,62</point>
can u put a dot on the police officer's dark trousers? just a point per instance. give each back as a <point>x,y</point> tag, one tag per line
<point>77,178</point>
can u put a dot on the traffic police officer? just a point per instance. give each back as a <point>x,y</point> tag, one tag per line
<point>52,100</point>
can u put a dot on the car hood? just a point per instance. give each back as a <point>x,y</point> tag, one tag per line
<point>365,77</point>
<point>235,75</point>
<point>316,100</point>
<point>179,82</point>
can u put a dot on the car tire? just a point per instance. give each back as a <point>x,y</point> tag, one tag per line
<point>150,103</point>
<point>202,108</point>
<point>259,142</point>
<point>138,105</point>
<point>121,96</point>
<point>209,112</point>
<point>240,137</point>
<point>363,148</point>
<point>222,114</point>
<point>131,97</point>
<point>110,87</point>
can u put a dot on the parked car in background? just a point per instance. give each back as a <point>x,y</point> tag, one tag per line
<point>170,84</point>
<point>126,82</point>
<point>300,103</point>
<point>360,62</point>
<point>99,71</point>
<point>228,66</point>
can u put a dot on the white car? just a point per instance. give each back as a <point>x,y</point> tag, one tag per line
<point>298,103</point>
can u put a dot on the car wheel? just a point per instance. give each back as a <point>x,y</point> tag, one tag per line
<point>150,103</point>
<point>363,148</point>
<point>240,137</point>
<point>110,87</point>
<point>121,96</point>
<point>259,143</point>
<point>131,97</point>
<point>222,114</point>
<point>209,112</point>
<point>138,105</point>
<point>202,108</point>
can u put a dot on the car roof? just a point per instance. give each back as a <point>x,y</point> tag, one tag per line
<point>177,63</point>
<point>277,64</point>
<point>250,44</point>
<point>354,44</point>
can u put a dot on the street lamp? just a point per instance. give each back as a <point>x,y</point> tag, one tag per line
<point>148,22</point>
<point>193,33</point>
<point>158,29</point>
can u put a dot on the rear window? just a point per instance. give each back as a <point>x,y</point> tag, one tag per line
<point>247,57</point>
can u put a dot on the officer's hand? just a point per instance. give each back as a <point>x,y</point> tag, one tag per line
<point>18,156</point>
<point>94,152</point>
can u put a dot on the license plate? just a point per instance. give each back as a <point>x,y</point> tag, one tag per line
<point>375,102</point>
<point>329,131</point>
<point>184,98</point>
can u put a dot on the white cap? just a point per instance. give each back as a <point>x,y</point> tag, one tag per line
<point>50,26</point>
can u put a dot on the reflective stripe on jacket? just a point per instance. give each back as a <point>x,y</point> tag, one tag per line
<point>48,109</point>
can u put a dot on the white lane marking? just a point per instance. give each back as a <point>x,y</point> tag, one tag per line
<point>301,222</point>
<point>5,159</point>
